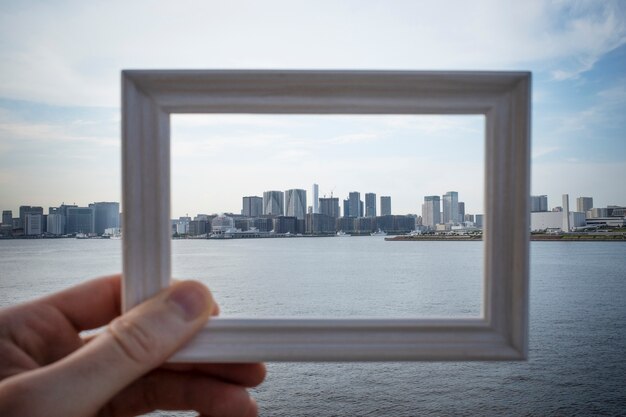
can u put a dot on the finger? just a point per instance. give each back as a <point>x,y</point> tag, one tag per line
<point>94,303</point>
<point>169,390</point>
<point>88,305</point>
<point>133,344</point>
<point>244,374</point>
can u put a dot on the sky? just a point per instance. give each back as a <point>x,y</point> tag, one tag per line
<point>60,116</point>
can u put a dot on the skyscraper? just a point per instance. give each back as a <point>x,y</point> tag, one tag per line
<point>354,199</point>
<point>80,220</point>
<point>316,196</point>
<point>106,215</point>
<point>329,206</point>
<point>24,210</point>
<point>538,203</point>
<point>273,203</point>
<point>370,205</point>
<point>295,203</point>
<point>431,211</point>
<point>33,224</point>
<point>461,216</point>
<point>385,205</point>
<point>451,207</point>
<point>7,219</point>
<point>346,208</point>
<point>252,206</point>
<point>583,204</point>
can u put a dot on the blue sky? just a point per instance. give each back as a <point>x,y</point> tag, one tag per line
<point>59,96</point>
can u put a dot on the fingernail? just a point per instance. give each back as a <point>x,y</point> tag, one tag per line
<point>191,300</point>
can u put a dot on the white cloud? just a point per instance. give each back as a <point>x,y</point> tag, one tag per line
<point>71,53</point>
<point>539,151</point>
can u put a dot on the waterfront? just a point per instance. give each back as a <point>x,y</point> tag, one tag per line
<point>578,317</point>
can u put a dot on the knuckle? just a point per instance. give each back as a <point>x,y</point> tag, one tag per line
<point>134,341</point>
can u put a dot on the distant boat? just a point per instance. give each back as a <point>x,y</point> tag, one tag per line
<point>81,236</point>
<point>378,233</point>
<point>341,233</point>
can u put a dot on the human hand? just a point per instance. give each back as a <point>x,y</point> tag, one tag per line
<point>48,369</point>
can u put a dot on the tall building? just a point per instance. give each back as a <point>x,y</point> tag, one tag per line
<point>252,206</point>
<point>56,221</point>
<point>7,219</point>
<point>285,224</point>
<point>583,204</point>
<point>80,220</point>
<point>106,215</point>
<point>33,224</point>
<point>538,203</point>
<point>479,220</point>
<point>370,205</point>
<point>273,203</point>
<point>318,223</point>
<point>385,205</point>
<point>566,224</point>
<point>24,210</point>
<point>461,212</point>
<point>354,199</point>
<point>295,203</point>
<point>316,196</point>
<point>346,208</point>
<point>329,207</point>
<point>431,210</point>
<point>451,207</point>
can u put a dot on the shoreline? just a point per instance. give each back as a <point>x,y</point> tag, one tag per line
<point>533,238</point>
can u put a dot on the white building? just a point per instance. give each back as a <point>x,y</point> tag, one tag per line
<point>431,211</point>
<point>541,221</point>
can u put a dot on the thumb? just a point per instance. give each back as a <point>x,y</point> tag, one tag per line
<point>133,344</point>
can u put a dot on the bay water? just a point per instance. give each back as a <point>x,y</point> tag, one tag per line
<point>577,363</point>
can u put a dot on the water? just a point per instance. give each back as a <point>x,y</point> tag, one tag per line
<point>577,329</point>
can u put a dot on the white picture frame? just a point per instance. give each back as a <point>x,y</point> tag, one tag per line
<point>150,97</point>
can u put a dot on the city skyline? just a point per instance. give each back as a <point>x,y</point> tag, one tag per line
<point>60,115</point>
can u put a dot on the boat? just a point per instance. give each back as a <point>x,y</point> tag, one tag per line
<point>81,236</point>
<point>341,233</point>
<point>378,233</point>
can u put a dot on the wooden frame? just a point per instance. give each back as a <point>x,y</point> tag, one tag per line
<point>148,99</point>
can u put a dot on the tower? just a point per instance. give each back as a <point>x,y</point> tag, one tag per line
<point>273,203</point>
<point>385,205</point>
<point>370,205</point>
<point>431,210</point>
<point>295,204</point>
<point>316,196</point>
<point>451,207</point>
